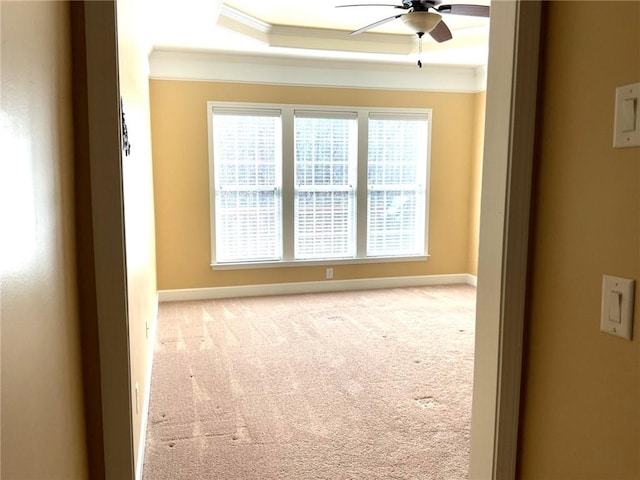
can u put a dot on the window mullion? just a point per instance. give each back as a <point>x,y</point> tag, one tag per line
<point>362,185</point>
<point>288,185</point>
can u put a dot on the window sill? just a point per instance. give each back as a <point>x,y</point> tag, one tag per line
<point>310,263</point>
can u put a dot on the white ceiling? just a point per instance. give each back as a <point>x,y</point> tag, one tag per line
<point>310,28</point>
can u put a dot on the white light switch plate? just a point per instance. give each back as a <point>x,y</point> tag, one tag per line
<point>626,132</point>
<point>617,319</point>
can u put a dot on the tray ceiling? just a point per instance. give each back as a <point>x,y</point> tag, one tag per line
<point>309,29</point>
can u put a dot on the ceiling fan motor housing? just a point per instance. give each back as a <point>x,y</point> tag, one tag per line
<point>419,5</point>
<point>421,22</point>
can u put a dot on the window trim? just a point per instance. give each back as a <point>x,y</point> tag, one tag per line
<point>317,262</point>
<point>287,115</point>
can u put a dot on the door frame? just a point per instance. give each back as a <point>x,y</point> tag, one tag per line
<point>504,234</point>
<point>101,240</point>
<point>507,178</point>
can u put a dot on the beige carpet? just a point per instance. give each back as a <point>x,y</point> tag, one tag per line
<point>350,385</point>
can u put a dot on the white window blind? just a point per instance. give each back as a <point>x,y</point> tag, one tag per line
<point>247,177</point>
<point>397,159</point>
<point>325,170</point>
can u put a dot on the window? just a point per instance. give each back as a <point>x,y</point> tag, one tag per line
<point>396,186</point>
<point>294,184</point>
<point>248,221</point>
<point>325,173</point>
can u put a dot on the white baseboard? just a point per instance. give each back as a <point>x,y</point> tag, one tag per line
<point>142,441</point>
<point>211,293</point>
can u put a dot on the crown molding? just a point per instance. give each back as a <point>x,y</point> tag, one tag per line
<point>244,24</point>
<point>239,17</point>
<point>218,66</point>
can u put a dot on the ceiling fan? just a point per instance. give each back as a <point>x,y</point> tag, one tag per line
<point>424,16</point>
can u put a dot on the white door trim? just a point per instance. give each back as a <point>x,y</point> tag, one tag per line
<point>512,85</point>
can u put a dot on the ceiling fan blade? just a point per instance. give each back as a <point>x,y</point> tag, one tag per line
<point>441,32</point>
<point>465,9</point>
<point>372,5</point>
<point>376,24</point>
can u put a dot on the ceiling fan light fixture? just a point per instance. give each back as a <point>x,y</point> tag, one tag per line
<point>421,22</point>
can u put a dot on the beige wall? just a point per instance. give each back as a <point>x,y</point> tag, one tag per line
<point>581,403</point>
<point>180,145</point>
<point>475,182</point>
<point>138,200</point>
<point>43,434</point>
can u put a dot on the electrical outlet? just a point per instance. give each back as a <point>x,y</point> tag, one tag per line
<point>329,273</point>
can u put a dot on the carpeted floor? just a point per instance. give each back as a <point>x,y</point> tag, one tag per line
<point>350,385</point>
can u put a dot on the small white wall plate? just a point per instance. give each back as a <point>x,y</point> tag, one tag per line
<point>626,130</point>
<point>617,319</point>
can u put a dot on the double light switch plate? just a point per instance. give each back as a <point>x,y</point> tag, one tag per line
<point>617,306</point>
